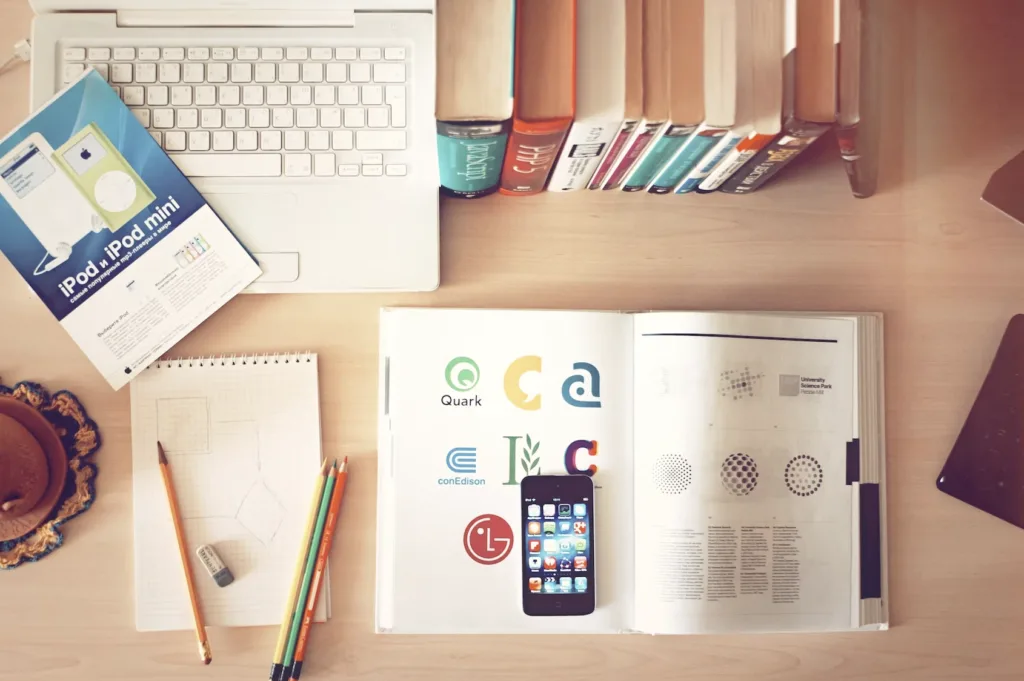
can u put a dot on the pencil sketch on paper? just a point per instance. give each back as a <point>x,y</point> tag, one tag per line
<point>203,450</point>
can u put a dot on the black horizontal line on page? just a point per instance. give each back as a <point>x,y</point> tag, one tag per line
<point>729,335</point>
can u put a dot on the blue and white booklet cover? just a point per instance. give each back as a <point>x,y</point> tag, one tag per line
<point>110,235</point>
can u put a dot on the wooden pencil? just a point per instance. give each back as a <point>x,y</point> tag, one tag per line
<point>321,565</point>
<point>277,669</point>
<point>307,575</point>
<point>179,531</point>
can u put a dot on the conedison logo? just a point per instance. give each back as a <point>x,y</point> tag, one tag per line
<point>462,462</point>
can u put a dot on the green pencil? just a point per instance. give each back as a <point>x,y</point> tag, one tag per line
<point>293,593</point>
<point>307,575</point>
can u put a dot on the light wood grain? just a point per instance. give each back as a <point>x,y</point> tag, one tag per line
<point>942,265</point>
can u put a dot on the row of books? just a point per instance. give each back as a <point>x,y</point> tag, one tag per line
<point>657,96</point>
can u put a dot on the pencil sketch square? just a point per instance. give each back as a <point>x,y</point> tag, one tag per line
<point>183,425</point>
<point>261,513</point>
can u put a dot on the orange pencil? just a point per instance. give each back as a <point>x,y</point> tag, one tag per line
<point>179,531</point>
<point>321,565</point>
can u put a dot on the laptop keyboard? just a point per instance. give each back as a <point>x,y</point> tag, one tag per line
<point>263,111</point>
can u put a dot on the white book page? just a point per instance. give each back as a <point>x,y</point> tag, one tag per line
<point>438,587</point>
<point>743,515</point>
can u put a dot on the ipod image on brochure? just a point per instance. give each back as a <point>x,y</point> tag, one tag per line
<point>104,177</point>
<point>47,200</point>
<point>558,545</point>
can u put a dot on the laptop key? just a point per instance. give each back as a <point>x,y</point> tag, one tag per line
<point>228,165</point>
<point>174,140</point>
<point>145,73</point>
<point>298,165</point>
<point>223,140</point>
<point>323,165</point>
<point>380,140</point>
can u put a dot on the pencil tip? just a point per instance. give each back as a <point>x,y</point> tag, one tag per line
<point>160,452</point>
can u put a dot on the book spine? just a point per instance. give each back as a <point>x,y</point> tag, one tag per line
<point>645,134</point>
<point>619,144</point>
<point>664,147</point>
<point>861,181</point>
<point>708,163</point>
<point>470,155</point>
<point>585,147</point>
<point>686,158</point>
<point>529,159</point>
<point>736,159</point>
<point>774,157</point>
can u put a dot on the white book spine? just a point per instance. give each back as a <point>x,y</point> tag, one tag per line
<point>733,161</point>
<point>584,149</point>
<point>708,164</point>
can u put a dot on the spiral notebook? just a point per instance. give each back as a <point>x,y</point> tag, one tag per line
<point>242,435</point>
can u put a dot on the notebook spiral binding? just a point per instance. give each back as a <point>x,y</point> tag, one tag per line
<point>234,360</point>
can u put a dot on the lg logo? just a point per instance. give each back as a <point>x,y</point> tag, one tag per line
<point>488,539</point>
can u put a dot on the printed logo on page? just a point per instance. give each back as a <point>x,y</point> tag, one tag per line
<point>462,375</point>
<point>583,384</point>
<point>524,397</point>
<point>488,539</point>
<point>462,460</point>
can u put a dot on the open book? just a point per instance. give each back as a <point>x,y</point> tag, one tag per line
<point>738,463</point>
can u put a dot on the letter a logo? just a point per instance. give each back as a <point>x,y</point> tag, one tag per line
<point>524,399</point>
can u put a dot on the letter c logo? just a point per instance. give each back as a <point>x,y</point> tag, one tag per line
<point>570,457</point>
<point>516,395</point>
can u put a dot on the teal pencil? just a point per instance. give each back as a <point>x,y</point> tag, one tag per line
<point>307,575</point>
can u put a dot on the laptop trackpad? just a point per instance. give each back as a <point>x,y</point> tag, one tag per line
<point>278,268</point>
<point>239,210</point>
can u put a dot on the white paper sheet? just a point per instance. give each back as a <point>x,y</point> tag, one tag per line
<point>243,440</point>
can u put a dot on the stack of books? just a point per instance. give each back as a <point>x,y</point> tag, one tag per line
<point>656,96</point>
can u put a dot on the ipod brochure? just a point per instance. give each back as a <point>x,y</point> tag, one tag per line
<point>110,235</point>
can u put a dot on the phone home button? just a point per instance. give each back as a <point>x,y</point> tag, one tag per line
<point>558,605</point>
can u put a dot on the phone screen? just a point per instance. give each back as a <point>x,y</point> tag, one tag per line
<point>558,546</point>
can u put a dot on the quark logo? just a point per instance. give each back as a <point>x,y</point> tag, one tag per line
<point>524,396</point>
<point>462,374</point>
<point>584,383</point>
<point>488,539</point>
<point>572,452</point>
<point>462,462</point>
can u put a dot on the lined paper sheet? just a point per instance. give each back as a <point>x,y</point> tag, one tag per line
<point>242,436</point>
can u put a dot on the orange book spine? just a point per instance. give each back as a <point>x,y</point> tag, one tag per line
<point>532,150</point>
<point>533,145</point>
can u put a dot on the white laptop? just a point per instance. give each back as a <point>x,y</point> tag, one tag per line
<point>307,124</point>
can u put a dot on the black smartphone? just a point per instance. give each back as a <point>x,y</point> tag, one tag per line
<point>558,544</point>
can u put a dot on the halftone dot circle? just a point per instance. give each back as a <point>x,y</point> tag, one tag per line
<point>804,475</point>
<point>739,474</point>
<point>672,474</point>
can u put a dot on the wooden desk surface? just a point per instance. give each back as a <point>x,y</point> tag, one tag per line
<point>926,251</point>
